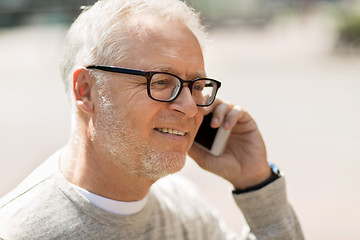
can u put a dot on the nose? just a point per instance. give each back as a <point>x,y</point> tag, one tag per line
<point>185,103</point>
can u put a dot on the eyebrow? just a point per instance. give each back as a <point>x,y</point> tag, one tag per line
<point>164,69</point>
<point>176,72</point>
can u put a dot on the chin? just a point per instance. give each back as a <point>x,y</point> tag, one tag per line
<point>162,164</point>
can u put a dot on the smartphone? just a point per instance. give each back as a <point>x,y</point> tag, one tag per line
<point>214,140</point>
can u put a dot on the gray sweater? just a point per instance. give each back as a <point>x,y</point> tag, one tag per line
<point>46,206</point>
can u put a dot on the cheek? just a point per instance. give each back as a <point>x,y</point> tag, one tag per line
<point>141,113</point>
<point>199,117</point>
<point>198,121</point>
<point>131,101</point>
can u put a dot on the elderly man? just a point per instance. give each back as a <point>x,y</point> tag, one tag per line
<point>134,72</point>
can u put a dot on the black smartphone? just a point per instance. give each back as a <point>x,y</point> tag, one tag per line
<point>214,140</point>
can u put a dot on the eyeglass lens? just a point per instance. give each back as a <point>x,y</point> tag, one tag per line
<point>165,87</point>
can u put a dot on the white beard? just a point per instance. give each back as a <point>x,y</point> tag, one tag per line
<point>115,138</point>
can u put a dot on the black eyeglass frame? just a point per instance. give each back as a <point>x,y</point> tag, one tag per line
<point>149,74</point>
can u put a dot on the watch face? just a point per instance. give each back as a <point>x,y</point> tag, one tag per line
<point>275,169</point>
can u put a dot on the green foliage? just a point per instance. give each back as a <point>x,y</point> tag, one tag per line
<point>349,31</point>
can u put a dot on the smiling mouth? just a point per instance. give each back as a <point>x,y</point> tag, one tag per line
<point>171,131</point>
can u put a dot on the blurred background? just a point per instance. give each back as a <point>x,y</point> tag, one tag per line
<point>293,64</point>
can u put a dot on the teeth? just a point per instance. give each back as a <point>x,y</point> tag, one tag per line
<point>171,131</point>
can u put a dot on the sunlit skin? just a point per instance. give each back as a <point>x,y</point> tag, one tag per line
<point>176,51</point>
<point>117,139</point>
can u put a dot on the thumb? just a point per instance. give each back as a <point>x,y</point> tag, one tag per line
<point>200,156</point>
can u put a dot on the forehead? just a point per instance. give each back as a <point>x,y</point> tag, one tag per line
<point>156,44</point>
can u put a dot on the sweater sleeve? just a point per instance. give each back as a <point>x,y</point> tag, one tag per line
<point>268,212</point>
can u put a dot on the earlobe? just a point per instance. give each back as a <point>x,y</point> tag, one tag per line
<point>82,89</point>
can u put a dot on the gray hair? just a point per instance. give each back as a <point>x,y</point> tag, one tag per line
<point>90,39</point>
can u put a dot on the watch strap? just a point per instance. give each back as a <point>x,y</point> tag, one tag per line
<point>275,174</point>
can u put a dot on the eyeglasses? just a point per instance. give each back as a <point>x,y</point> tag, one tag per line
<point>166,87</point>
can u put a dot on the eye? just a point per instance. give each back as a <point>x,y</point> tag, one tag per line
<point>160,83</point>
<point>198,85</point>
<point>163,81</point>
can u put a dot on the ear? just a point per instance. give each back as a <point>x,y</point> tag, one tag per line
<point>82,83</point>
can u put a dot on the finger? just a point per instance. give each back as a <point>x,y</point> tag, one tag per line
<point>219,114</point>
<point>234,115</point>
<point>209,109</point>
<point>199,155</point>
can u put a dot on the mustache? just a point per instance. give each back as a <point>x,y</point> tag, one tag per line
<point>176,120</point>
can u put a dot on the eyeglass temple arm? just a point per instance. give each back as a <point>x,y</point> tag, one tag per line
<point>117,70</point>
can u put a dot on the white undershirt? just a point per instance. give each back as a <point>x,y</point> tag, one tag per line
<point>113,206</point>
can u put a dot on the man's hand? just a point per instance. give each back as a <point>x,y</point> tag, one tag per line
<point>244,161</point>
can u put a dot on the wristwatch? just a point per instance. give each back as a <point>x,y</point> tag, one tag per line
<point>275,174</point>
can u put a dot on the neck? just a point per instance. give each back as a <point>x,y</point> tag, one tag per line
<point>83,166</point>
